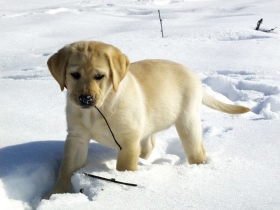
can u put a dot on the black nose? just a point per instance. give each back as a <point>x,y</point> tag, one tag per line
<point>86,100</point>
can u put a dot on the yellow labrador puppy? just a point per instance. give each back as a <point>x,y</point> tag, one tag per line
<point>138,99</point>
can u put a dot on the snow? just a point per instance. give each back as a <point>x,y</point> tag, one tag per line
<point>216,39</point>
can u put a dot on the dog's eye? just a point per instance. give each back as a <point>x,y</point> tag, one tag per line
<point>76,75</point>
<point>98,77</point>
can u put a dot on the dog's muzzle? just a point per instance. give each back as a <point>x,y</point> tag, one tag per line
<point>86,100</point>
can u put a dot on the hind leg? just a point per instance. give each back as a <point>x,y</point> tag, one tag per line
<point>147,146</point>
<point>189,129</point>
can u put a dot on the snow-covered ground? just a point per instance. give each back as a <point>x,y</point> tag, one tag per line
<point>214,38</point>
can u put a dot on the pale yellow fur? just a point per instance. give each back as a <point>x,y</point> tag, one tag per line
<point>138,100</point>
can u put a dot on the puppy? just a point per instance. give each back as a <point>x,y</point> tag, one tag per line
<point>138,100</point>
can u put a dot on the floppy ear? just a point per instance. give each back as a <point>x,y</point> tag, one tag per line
<point>57,65</point>
<point>119,65</point>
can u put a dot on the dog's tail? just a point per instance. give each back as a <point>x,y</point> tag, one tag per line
<point>223,107</point>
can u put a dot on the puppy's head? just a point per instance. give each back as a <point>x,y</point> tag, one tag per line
<point>89,70</point>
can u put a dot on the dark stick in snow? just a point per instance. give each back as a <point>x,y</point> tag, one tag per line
<point>258,24</point>
<point>110,180</point>
<point>160,23</point>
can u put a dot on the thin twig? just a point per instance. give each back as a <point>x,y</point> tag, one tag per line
<point>160,23</point>
<point>110,180</point>
<point>259,23</point>
<point>269,30</point>
<point>109,128</point>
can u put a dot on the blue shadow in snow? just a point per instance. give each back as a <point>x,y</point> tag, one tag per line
<point>31,154</point>
<point>29,170</point>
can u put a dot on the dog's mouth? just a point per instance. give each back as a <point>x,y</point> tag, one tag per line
<point>86,107</point>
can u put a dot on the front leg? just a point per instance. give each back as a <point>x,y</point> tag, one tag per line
<point>75,156</point>
<point>128,155</point>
